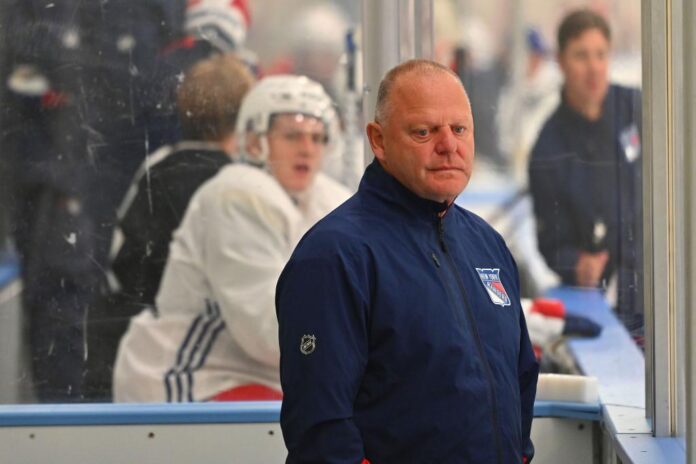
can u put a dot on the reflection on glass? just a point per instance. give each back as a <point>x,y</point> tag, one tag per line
<point>88,93</point>
<point>71,138</point>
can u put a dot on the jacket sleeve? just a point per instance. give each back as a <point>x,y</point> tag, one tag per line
<point>528,373</point>
<point>324,298</point>
<point>247,243</point>
<point>556,233</point>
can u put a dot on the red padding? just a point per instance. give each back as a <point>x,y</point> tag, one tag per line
<point>537,352</point>
<point>186,42</point>
<point>251,392</point>
<point>549,307</point>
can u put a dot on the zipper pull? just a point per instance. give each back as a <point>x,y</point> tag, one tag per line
<point>435,260</point>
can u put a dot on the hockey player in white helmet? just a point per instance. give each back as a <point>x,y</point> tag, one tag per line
<point>213,334</point>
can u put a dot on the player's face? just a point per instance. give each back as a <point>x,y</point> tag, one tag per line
<point>427,140</point>
<point>296,145</point>
<point>585,66</point>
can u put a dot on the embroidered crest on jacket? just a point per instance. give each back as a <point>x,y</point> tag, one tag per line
<point>490,278</point>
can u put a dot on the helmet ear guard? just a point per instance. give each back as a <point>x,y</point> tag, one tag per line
<point>255,148</point>
<point>281,94</point>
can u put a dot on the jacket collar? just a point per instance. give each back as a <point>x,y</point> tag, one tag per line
<point>376,182</point>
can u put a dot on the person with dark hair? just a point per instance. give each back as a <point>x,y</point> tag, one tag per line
<point>585,172</point>
<point>208,102</point>
<point>402,336</point>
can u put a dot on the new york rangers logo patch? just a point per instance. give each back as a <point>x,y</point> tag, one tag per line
<point>490,278</point>
<point>630,142</point>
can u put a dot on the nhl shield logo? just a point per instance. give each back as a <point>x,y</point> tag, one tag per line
<point>490,278</point>
<point>308,343</point>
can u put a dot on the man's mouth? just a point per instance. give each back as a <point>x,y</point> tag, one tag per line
<point>301,168</point>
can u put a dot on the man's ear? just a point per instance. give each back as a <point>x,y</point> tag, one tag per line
<point>375,134</point>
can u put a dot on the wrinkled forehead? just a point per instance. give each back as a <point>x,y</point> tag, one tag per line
<point>296,121</point>
<point>437,92</point>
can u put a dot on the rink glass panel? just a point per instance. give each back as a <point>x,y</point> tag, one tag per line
<point>71,143</point>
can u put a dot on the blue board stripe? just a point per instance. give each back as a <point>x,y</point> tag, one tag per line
<point>240,412</point>
<point>133,414</point>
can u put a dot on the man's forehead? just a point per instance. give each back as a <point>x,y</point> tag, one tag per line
<point>435,116</point>
<point>581,40</point>
<point>440,95</point>
<point>414,87</point>
<point>432,77</point>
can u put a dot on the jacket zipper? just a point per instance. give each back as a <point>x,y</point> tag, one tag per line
<point>477,338</point>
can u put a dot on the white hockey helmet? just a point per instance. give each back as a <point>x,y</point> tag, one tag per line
<point>280,94</point>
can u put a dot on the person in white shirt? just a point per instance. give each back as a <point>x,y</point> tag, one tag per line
<point>213,334</point>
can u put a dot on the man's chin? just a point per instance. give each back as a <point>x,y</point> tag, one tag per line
<point>443,195</point>
<point>299,186</point>
<point>597,95</point>
<point>450,187</point>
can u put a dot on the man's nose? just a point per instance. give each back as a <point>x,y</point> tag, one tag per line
<point>446,142</point>
<point>597,65</point>
<point>307,144</point>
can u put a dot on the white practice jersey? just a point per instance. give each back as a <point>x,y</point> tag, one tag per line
<point>216,326</point>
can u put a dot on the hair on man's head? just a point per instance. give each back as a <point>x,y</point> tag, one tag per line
<point>209,98</point>
<point>416,66</point>
<point>579,21</point>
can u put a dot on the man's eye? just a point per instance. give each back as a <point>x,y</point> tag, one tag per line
<point>459,129</point>
<point>319,138</point>
<point>421,132</point>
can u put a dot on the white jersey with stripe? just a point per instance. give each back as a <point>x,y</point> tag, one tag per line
<point>215,327</point>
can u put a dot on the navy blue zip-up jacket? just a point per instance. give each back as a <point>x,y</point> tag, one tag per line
<point>585,180</point>
<point>392,346</point>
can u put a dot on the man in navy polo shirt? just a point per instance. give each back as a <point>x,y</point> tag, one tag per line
<point>585,173</point>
